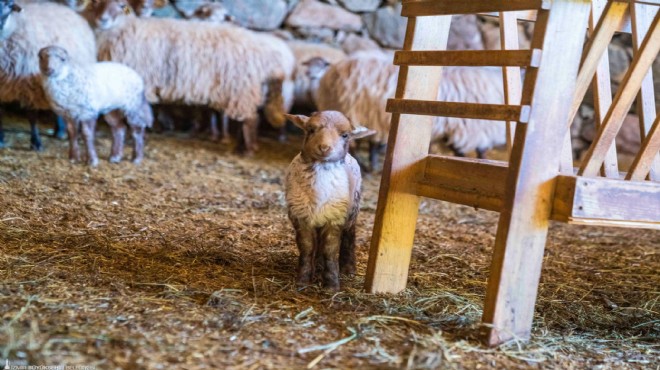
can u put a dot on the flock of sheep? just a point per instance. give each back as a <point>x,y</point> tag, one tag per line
<point>103,58</point>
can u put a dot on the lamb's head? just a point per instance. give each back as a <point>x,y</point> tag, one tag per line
<point>213,12</point>
<point>143,8</point>
<point>53,61</point>
<point>316,68</point>
<point>7,7</point>
<point>327,135</point>
<point>106,14</point>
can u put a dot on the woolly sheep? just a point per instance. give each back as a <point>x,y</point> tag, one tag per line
<point>22,35</point>
<point>81,92</point>
<point>360,85</point>
<point>323,191</point>
<point>195,63</point>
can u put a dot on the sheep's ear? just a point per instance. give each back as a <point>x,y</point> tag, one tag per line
<point>360,131</point>
<point>16,9</point>
<point>298,119</point>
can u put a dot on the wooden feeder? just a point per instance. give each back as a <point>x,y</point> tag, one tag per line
<point>539,183</point>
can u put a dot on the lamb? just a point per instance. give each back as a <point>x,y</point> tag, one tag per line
<point>323,191</point>
<point>360,85</point>
<point>195,63</point>
<point>22,35</point>
<point>81,92</point>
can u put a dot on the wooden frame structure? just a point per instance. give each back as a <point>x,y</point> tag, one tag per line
<point>539,183</point>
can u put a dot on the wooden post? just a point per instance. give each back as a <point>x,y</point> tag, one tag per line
<point>410,136</point>
<point>533,169</point>
<point>509,40</point>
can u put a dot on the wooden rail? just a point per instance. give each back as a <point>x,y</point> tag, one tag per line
<point>449,7</point>
<point>496,112</point>
<point>475,58</point>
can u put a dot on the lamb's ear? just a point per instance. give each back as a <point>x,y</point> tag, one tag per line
<point>16,9</point>
<point>360,131</point>
<point>298,119</point>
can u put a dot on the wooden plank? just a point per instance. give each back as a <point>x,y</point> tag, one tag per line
<point>472,182</point>
<point>622,101</point>
<point>603,201</point>
<point>648,152</point>
<point>509,40</point>
<point>496,112</point>
<point>410,136</point>
<point>642,15</point>
<point>530,16</point>
<point>449,7</point>
<point>476,58</point>
<point>523,225</point>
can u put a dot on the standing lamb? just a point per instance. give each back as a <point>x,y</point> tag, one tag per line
<point>195,63</point>
<point>22,35</point>
<point>81,92</point>
<point>323,190</point>
<point>360,85</point>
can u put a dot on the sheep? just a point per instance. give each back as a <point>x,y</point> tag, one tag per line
<point>323,191</point>
<point>360,85</point>
<point>22,35</point>
<point>80,93</point>
<point>196,63</point>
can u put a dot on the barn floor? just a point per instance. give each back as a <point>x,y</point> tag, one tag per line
<point>188,262</point>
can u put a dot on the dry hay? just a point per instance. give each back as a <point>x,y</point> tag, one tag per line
<point>188,262</point>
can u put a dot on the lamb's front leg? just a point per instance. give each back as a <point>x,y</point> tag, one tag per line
<point>74,149</point>
<point>330,244</point>
<point>347,251</point>
<point>88,130</point>
<point>306,241</point>
<point>115,121</point>
<point>138,143</point>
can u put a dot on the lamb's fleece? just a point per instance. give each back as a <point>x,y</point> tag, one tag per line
<point>82,92</point>
<point>37,26</point>
<point>304,51</point>
<point>194,63</point>
<point>360,85</point>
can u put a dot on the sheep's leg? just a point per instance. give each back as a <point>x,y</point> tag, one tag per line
<point>254,131</point>
<point>118,129</point>
<point>282,137</point>
<point>213,122</point>
<point>457,152</point>
<point>347,251</point>
<point>35,140</point>
<point>481,153</point>
<point>374,149</point>
<point>138,143</point>
<point>60,128</point>
<point>306,242</point>
<point>88,129</point>
<point>2,132</point>
<point>329,247</point>
<point>74,149</point>
<point>225,129</point>
<point>246,139</point>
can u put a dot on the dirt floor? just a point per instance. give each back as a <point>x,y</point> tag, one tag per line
<point>188,262</point>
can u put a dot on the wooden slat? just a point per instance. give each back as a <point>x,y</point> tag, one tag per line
<point>607,202</point>
<point>476,58</point>
<point>449,7</point>
<point>523,224</point>
<point>468,181</point>
<point>509,40</point>
<point>530,16</point>
<point>496,112</point>
<point>622,101</point>
<point>648,152</point>
<point>398,205</point>
<point>641,16</point>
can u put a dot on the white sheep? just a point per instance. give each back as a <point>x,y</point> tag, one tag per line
<point>360,85</point>
<point>81,92</point>
<point>323,191</point>
<point>196,63</point>
<point>22,35</point>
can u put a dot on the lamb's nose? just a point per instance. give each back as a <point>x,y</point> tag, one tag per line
<point>325,149</point>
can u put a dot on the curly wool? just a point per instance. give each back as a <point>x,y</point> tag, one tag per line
<point>360,85</point>
<point>37,26</point>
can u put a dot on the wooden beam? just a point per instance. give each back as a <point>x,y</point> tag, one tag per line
<point>522,230</point>
<point>472,182</point>
<point>496,112</point>
<point>623,100</point>
<point>476,58</point>
<point>449,7</point>
<point>608,202</point>
<point>648,152</point>
<point>642,16</point>
<point>410,136</point>
<point>530,16</point>
<point>509,40</point>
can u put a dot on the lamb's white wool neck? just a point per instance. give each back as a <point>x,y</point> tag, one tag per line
<point>10,27</point>
<point>61,74</point>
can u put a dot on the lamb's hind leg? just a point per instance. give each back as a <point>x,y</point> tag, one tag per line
<point>347,251</point>
<point>60,128</point>
<point>35,139</point>
<point>306,242</point>
<point>329,248</point>
<point>88,130</point>
<point>138,143</point>
<point>118,128</point>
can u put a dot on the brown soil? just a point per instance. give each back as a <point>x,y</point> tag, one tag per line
<point>188,261</point>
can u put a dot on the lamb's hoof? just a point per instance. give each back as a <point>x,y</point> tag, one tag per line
<point>62,135</point>
<point>244,152</point>
<point>331,286</point>
<point>137,160</point>
<point>115,159</point>
<point>36,146</point>
<point>348,271</point>
<point>93,163</point>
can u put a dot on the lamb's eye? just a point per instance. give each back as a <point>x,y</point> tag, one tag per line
<point>345,135</point>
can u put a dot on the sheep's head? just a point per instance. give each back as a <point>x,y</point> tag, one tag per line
<point>327,135</point>
<point>213,12</point>
<point>316,67</point>
<point>53,61</point>
<point>143,8</point>
<point>7,7</point>
<point>106,14</point>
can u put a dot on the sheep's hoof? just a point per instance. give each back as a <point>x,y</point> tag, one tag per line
<point>137,160</point>
<point>62,135</point>
<point>115,159</point>
<point>36,146</point>
<point>225,140</point>
<point>94,162</point>
<point>331,286</point>
<point>348,271</point>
